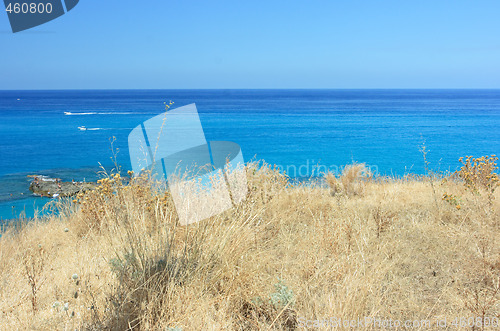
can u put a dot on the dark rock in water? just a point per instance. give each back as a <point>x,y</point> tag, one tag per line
<point>54,187</point>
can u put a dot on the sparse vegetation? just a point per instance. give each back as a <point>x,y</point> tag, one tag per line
<point>350,182</point>
<point>479,176</point>
<point>117,259</point>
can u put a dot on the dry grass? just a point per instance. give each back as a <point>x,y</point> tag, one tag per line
<point>351,181</point>
<point>382,249</point>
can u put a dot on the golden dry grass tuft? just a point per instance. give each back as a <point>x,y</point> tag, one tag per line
<point>117,259</point>
<point>351,181</point>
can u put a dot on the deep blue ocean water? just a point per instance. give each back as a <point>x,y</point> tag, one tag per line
<point>296,129</point>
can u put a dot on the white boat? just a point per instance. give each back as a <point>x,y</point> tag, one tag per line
<point>82,128</point>
<point>67,113</point>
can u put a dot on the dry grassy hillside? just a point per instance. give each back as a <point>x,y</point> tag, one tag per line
<point>381,249</point>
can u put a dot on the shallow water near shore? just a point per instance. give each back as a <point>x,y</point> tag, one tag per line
<point>305,132</point>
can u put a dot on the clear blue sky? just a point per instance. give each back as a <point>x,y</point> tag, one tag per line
<point>258,44</point>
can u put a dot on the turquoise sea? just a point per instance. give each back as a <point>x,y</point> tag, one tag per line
<point>296,129</point>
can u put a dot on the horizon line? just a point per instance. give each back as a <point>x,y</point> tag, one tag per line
<point>258,89</point>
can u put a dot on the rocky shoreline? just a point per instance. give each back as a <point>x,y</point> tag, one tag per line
<point>54,187</point>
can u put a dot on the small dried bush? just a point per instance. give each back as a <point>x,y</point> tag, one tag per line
<point>351,181</point>
<point>479,174</point>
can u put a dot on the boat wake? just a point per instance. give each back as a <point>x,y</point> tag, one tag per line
<point>68,113</point>
<point>84,128</point>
